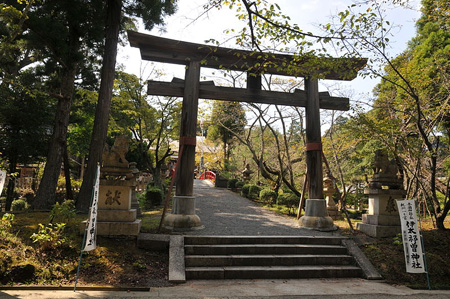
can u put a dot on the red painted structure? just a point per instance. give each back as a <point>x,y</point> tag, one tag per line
<point>208,175</point>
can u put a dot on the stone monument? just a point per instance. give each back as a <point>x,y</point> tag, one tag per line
<point>384,189</point>
<point>328,190</point>
<point>116,216</point>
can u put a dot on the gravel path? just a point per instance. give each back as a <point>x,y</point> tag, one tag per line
<point>224,212</point>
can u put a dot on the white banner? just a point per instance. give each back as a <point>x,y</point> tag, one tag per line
<point>412,244</point>
<point>2,180</point>
<point>91,231</point>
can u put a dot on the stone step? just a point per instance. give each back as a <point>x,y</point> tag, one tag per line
<point>215,240</point>
<point>276,272</point>
<point>263,249</point>
<point>266,260</point>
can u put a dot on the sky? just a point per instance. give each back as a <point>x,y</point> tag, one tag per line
<point>191,24</point>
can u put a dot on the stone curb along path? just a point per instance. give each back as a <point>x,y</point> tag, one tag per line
<point>322,288</point>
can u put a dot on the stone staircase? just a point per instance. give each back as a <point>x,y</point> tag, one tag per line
<point>265,257</point>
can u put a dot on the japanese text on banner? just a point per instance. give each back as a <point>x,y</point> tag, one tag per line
<point>412,244</point>
<point>91,233</point>
<point>2,180</point>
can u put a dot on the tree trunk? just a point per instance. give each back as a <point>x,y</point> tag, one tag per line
<point>69,193</point>
<point>46,195</point>
<point>11,183</point>
<point>102,111</point>
<point>442,215</point>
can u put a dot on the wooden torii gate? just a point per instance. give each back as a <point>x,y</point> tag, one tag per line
<point>194,57</point>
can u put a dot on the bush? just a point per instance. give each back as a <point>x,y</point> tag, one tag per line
<point>27,194</point>
<point>268,196</point>
<point>153,197</point>
<point>253,191</point>
<point>50,237</point>
<point>245,190</point>
<point>232,183</point>
<point>289,200</point>
<point>64,212</point>
<point>240,184</point>
<point>6,222</point>
<point>19,205</point>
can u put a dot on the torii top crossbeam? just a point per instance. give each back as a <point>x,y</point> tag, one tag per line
<point>160,49</point>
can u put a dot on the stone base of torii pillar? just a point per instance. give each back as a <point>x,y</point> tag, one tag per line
<point>316,216</point>
<point>183,217</point>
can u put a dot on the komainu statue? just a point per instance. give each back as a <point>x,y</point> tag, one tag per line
<point>385,172</point>
<point>114,156</point>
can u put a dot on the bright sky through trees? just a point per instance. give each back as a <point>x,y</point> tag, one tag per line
<point>192,24</point>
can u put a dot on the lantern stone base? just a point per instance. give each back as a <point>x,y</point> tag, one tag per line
<point>334,213</point>
<point>316,216</point>
<point>183,217</point>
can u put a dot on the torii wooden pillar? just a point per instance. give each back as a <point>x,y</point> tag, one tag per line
<point>195,56</point>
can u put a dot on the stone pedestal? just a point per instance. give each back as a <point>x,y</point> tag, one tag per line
<point>183,217</point>
<point>316,216</point>
<point>383,219</point>
<point>115,217</point>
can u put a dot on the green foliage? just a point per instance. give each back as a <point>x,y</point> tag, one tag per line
<point>268,196</point>
<point>289,200</point>
<point>226,117</point>
<point>50,237</point>
<point>6,222</point>
<point>245,190</point>
<point>240,184</point>
<point>398,239</point>
<point>19,205</point>
<point>154,196</point>
<point>253,191</point>
<point>63,212</point>
<point>232,183</point>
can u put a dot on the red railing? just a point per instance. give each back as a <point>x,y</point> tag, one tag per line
<point>208,175</point>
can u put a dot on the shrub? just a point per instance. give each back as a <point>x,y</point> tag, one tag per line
<point>153,197</point>
<point>63,212</point>
<point>240,184</point>
<point>50,237</point>
<point>253,191</point>
<point>19,205</point>
<point>232,183</point>
<point>6,222</point>
<point>268,196</point>
<point>27,194</point>
<point>289,200</point>
<point>245,190</point>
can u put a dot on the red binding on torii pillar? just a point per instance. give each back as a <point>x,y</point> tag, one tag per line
<point>314,146</point>
<point>185,140</point>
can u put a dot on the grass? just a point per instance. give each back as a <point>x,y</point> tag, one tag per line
<point>115,262</point>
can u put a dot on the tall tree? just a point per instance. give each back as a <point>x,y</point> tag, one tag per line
<point>25,119</point>
<point>58,31</point>
<point>226,117</point>
<point>152,13</point>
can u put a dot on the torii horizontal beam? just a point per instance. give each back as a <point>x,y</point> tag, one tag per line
<point>208,90</point>
<point>160,49</point>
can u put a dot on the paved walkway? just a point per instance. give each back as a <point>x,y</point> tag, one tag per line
<point>224,212</point>
<point>246,289</point>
